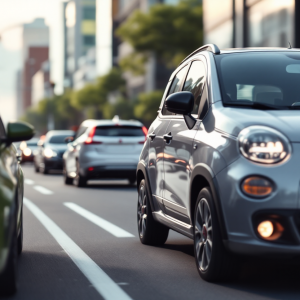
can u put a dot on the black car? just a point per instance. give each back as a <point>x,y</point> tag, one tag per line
<point>50,151</point>
<point>11,202</point>
<point>28,149</point>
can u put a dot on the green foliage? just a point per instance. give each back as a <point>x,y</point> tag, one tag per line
<point>171,32</point>
<point>134,63</point>
<point>147,105</point>
<point>93,97</point>
<point>124,108</point>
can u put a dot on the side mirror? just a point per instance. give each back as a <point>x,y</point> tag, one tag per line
<point>69,139</point>
<point>182,103</point>
<point>19,131</point>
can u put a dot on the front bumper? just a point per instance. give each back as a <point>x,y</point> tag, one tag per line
<point>239,210</point>
<point>54,163</point>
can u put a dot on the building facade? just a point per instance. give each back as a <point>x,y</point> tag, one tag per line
<point>156,75</point>
<point>41,85</point>
<point>251,23</point>
<point>35,40</point>
<point>80,34</point>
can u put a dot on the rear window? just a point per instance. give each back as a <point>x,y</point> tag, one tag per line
<point>119,131</point>
<point>32,144</point>
<point>58,139</point>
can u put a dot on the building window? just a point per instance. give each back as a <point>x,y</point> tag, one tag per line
<point>89,13</point>
<point>89,40</point>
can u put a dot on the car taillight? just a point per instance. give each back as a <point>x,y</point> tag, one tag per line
<point>90,140</point>
<point>145,131</point>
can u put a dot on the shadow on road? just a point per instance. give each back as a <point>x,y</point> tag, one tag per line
<point>275,278</point>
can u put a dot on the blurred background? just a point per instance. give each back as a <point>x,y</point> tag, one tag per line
<point>65,61</point>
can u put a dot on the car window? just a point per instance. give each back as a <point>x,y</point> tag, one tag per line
<point>111,131</point>
<point>194,82</point>
<point>58,139</point>
<point>270,78</point>
<point>2,129</point>
<point>175,86</point>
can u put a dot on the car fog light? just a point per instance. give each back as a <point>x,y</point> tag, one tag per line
<point>49,153</point>
<point>270,230</point>
<point>265,229</point>
<point>27,152</point>
<point>257,187</point>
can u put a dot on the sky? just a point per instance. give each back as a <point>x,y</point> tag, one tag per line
<point>13,14</point>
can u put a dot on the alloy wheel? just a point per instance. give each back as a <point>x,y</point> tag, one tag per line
<point>203,234</point>
<point>142,211</point>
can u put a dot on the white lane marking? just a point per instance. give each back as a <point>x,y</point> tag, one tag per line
<point>109,227</point>
<point>42,190</point>
<point>106,287</point>
<point>29,181</point>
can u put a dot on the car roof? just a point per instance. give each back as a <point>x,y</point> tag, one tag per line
<point>90,123</point>
<point>59,132</point>
<point>258,49</point>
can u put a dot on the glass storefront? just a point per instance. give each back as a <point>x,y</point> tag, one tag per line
<point>271,23</point>
<point>218,22</point>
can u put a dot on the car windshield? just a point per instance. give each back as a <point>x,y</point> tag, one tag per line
<point>119,131</point>
<point>260,79</point>
<point>58,139</point>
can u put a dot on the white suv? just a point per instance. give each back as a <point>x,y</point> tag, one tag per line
<point>104,149</point>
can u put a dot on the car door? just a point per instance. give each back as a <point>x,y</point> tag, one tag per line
<point>178,148</point>
<point>8,183</point>
<point>156,132</point>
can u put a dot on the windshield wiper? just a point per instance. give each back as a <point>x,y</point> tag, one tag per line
<point>295,105</point>
<point>257,105</point>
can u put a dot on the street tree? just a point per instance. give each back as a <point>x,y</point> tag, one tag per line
<point>171,32</point>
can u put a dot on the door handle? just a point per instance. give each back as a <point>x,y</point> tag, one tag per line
<point>152,136</point>
<point>168,137</point>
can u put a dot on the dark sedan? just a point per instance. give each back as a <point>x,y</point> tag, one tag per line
<point>11,202</point>
<point>50,151</point>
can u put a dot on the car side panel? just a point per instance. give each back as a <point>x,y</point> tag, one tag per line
<point>8,192</point>
<point>156,153</point>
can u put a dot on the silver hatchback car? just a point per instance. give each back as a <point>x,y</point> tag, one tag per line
<point>104,149</point>
<point>221,162</point>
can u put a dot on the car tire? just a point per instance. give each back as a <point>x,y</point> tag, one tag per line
<point>68,180</point>
<point>8,278</point>
<point>79,180</point>
<point>20,237</point>
<point>150,231</point>
<point>44,170</point>
<point>213,261</point>
<point>132,180</point>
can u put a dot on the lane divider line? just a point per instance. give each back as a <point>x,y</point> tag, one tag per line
<point>42,190</point>
<point>29,181</point>
<point>109,227</point>
<point>106,287</point>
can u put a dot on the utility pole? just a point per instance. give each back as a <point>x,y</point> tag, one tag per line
<point>51,124</point>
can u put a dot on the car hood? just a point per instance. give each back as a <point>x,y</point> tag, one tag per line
<point>233,119</point>
<point>57,147</point>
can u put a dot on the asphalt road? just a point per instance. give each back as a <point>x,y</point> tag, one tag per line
<point>89,249</point>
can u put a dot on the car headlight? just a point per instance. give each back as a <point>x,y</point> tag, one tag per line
<point>49,153</point>
<point>263,145</point>
<point>27,151</point>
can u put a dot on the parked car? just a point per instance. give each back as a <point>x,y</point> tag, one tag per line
<point>104,149</point>
<point>50,151</point>
<point>28,149</point>
<point>11,202</point>
<point>221,162</point>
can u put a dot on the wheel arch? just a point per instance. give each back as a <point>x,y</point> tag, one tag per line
<point>203,176</point>
<point>141,173</point>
